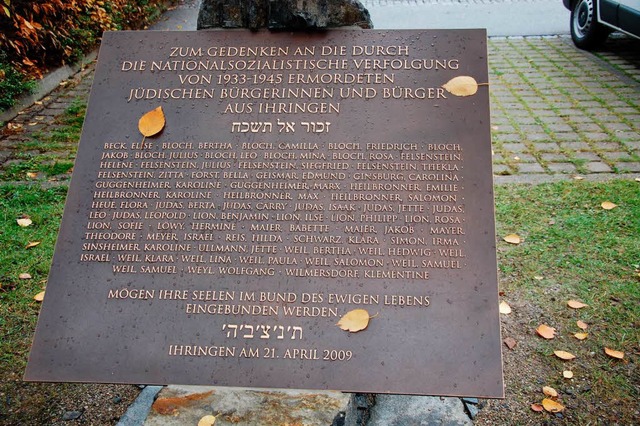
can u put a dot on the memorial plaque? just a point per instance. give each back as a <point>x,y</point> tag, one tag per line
<point>236,195</point>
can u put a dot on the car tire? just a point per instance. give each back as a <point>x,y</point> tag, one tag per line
<point>586,32</point>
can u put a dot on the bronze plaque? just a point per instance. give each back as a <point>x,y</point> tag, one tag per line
<point>286,181</point>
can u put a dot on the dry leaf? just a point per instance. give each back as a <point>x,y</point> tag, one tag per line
<point>580,336</point>
<point>567,374</point>
<point>24,276</point>
<point>32,244</point>
<point>576,305</point>
<point>608,205</point>
<point>152,123</point>
<point>39,297</point>
<point>567,356</point>
<point>510,342</point>
<point>461,86</point>
<point>549,391</point>
<point>537,408</point>
<point>545,331</point>
<point>513,239</point>
<point>578,177</point>
<point>613,353</point>
<point>32,175</point>
<point>504,308</point>
<point>24,222</point>
<point>582,325</point>
<point>207,421</point>
<point>538,277</point>
<point>552,406</point>
<point>355,320</point>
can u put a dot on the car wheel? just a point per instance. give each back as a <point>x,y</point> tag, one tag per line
<point>586,32</point>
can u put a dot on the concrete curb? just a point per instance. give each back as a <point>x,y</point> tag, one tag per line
<point>48,83</point>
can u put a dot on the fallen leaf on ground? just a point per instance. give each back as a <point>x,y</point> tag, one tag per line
<point>152,123</point>
<point>567,374</point>
<point>504,308</point>
<point>355,320</point>
<point>582,325</point>
<point>24,222</point>
<point>39,297</point>
<point>24,276</point>
<point>608,205</point>
<point>510,342</point>
<point>549,391</point>
<point>537,408</point>
<point>32,175</point>
<point>567,356</point>
<point>576,304</point>
<point>32,244</point>
<point>580,336</point>
<point>461,86</point>
<point>552,406</point>
<point>538,277</point>
<point>545,331</point>
<point>613,353</point>
<point>207,421</point>
<point>513,239</point>
<point>578,178</point>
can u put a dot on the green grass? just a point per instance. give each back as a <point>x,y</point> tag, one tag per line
<point>18,310</point>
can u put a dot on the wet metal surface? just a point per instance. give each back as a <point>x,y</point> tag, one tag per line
<point>297,177</point>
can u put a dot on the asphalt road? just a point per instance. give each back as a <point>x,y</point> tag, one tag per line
<point>499,17</point>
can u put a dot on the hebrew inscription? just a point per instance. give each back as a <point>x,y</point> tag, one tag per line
<point>297,177</point>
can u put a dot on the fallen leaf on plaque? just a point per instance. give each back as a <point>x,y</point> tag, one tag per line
<point>608,205</point>
<point>462,86</point>
<point>24,222</point>
<point>207,421</point>
<point>552,406</point>
<point>355,320</point>
<point>152,123</point>
<point>545,331</point>
<point>564,355</point>
<point>549,391</point>
<point>613,353</point>
<point>513,239</point>
<point>39,297</point>
<point>510,342</point>
<point>574,304</point>
<point>504,308</point>
<point>32,244</point>
<point>580,336</point>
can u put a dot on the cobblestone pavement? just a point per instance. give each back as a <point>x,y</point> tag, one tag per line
<point>557,112</point>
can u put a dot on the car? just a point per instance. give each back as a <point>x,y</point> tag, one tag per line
<point>593,20</point>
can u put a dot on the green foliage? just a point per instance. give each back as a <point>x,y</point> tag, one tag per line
<point>12,84</point>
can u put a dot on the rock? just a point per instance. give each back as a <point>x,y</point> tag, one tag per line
<point>470,400</point>
<point>71,415</point>
<point>117,399</point>
<point>282,14</point>
<point>472,410</point>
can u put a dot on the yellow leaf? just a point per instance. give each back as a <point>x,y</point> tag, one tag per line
<point>545,331</point>
<point>32,175</point>
<point>580,336</point>
<point>552,406</point>
<point>504,308</point>
<point>582,325</point>
<point>355,320</point>
<point>24,222</point>
<point>39,297</point>
<point>152,122</point>
<point>567,374</point>
<point>549,391</point>
<point>608,205</point>
<point>207,421</point>
<point>461,86</point>
<point>567,356</point>
<point>513,239</point>
<point>613,353</point>
<point>32,244</point>
<point>24,276</point>
<point>578,177</point>
<point>574,304</point>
